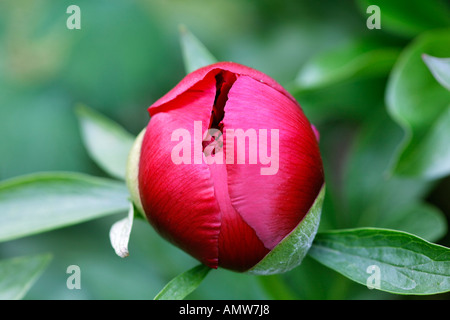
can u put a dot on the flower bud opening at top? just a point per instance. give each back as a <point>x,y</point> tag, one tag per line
<point>228,166</point>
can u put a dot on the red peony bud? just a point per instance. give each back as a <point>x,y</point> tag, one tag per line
<point>228,167</point>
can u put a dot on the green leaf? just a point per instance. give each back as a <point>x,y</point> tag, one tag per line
<point>422,107</point>
<point>182,285</point>
<point>45,201</point>
<point>406,263</point>
<point>409,17</point>
<point>107,143</point>
<point>17,275</point>
<point>360,58</point>
<point>440,68</point>
<point>195,54</point>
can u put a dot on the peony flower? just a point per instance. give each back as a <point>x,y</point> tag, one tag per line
<point>229,169</point>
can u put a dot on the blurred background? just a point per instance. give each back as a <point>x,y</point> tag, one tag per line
<point>127,54</point>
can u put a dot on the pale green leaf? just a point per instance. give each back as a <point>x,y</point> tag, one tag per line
<point>107,142</point>
<point>44,201</point>
<point>195,54</point>
<point>18,274</point>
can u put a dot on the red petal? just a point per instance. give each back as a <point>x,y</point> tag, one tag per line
<point>179,199</point>
<point>272,205</point>
<point>194,77</point>
<point>239,247</point>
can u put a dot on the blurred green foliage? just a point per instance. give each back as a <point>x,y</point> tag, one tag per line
<point>127,54</point>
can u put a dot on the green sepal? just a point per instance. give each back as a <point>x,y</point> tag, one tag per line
<point>290,252</point>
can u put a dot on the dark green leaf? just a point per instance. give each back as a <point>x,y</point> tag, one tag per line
<point>18,274</point>
<point>406,263</point>
<point>45,201</point>
<point>182,285</point>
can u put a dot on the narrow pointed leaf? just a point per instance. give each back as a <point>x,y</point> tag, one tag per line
<point>107,142</point>
<point>17,275</point>
<point>406,263</point>
<point>195,54</point>
<point>185,283</point>
<point>44,201</point>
